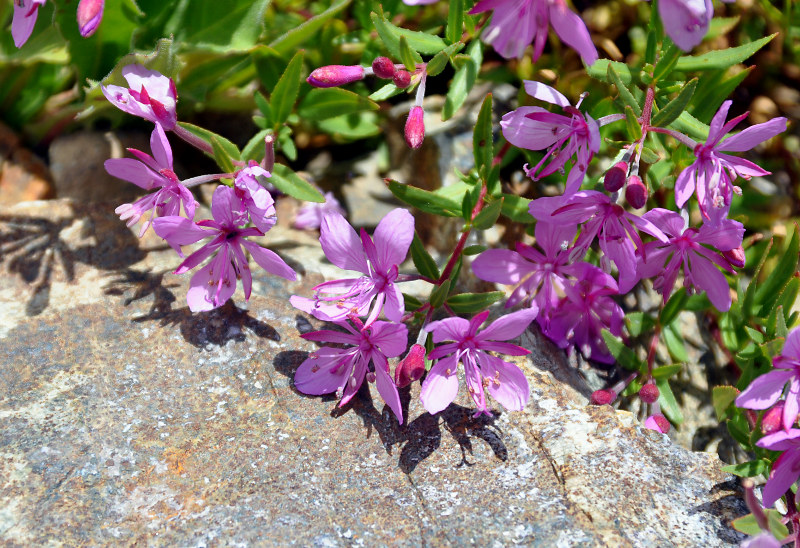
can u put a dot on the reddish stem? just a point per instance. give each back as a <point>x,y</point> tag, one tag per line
<point>448,269</point>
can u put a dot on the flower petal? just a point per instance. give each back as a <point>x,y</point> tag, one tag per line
<point>509,326</point>
<point>441,385</point>
<point>753,136</point>
<point>764,390</point>
<point>322,372</point>
<point>341,244</point>
<point>270,261</point>
<point>388,391</point>
<point>393,237</point>
<point>507,382</point>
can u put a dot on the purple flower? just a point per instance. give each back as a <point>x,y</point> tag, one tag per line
<point>25,14</point>
<point>310,215</point>
<point>534,128</point>
<point>786,469</point>
<point>505,381</point>
<point>686,248</point>
<point>149,173</point>
<point>256,200</point>
<point>712,174</point>
<point>215,283</point>
<point>765,539</point>
<point>517,23</point>
<point>150,95</point>
<point>377,260</point>
<point>342,370</point>
<point>89,15</point>
<point>768,388</point>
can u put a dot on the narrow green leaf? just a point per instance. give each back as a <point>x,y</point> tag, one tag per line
<point>289,182</point>
<point>721,59</point>
<point>624,355</point>
<point>599,71</point>
<point>634,129</point>
<point>223,159</point>
<point>418,41</point>
<point>284,94</point>
<point>749,302</point>
<point>412,303</point>
<point>439,61</point>
<point>254,149</point>
<point>387,91</point>
<point>208,136</point>
<point>673,307</point>
<point>768,293</point>
<point>469,303</point>
<point>288,42</point>
<point>624,93</point>
<point>425,264</point>
<point>425,201</point>
<point>747,469</point>
<point>666,371</point>
<point>666,400</point>
<point>263,106</point>
<point>463,80</point>
<point>474,249</point>
<point>691,126</point>
<point>482,146</point>
<point>455,21</point>
<point>439,294</point>
<point>673,109</point>
<point>713,89</point>
<point>638,323</point>
<point>324,103</point>
<point>675,344</point>
<point>516,208</point>
<point>721,398</point>
<point>407,55</point>
<point>487,217</point>
<point>667,62</point>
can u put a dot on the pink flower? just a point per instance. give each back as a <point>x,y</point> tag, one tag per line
<point>90,14</point>
<point>786,469</point>
<point>534,128</point>
<point>335,75</point>
<point>712,174</point>
<point>505,381</point>
<point>342,370</point>
<point>256,200</point>
<point>765,390</point>
<point>376,259</point>
<point>517,23</point>
<point>215,283</point>
<point>150,95</point>
<point>25,14</point>
<point>311,214</point>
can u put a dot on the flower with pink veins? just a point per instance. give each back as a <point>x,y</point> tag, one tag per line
<point>712,174</point>
<point>686,247</point>
<point>786,469</point>
<point>215,283</point>
<point>342,370</point>
<point>534,128</point>
<point>149,95</point>
<point>505,381</point>
<point>256,200</point>
<point>150,173</point>
<point>310,214</point>
<point>376,259</point>
<point>517,23</point>
<point>25,14</point>
<point>765,390</point>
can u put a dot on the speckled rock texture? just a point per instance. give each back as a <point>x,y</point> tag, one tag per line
<point>126,420</point>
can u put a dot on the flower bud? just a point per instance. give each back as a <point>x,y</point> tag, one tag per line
<point>657,422</point>
<point>636,192</point>
<point>735,256</point>
<point>615,177</point>
<point>415,128</point>
<point>331,76</point>
<point>773,419</point>
<point>410,368</point>
<point>649,393</point>
<point>383,67</point>
<point>603,397</point>
<point>402,78</point>
<point>90,13</point>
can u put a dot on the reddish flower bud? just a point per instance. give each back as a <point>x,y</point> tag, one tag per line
<point>773,419</point>
<point>415,128</point>
<point>658,422</point>
<point>735,256</point>
<point>649,393</point>
<point>636,192</point>
<point>752,417</point>
<point>615,177</point>
<point>411,368</point>
<point>383,67</point>
<point>402,78</point>
<point>90,13</point>
<point>335,75</point>
<point>603,397</point>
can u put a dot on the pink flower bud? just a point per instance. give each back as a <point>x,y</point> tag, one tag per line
<point>383,67</point>
<point>603,397</point>
<point>636,192</point>
<point>410,368</point>
<point>649,393</point>
<point>90,13</point>
<point>657,422</point>
<point>773,419</point>
<point>615,177</point>
<point>402,78</point>
<point>735,256</point>
<point>415,128</point>
<point>335,75</point>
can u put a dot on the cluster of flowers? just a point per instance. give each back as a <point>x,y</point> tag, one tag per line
<point>89,16</point>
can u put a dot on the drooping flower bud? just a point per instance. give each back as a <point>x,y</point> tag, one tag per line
<point>402,78</point>
<point>411,368</point>
<point>636,192</point>
<point>331,76</point>
<point>735,256</point>
<point>415,127</point>
<point>615,177</point>
<point>603,397</point>
<point>773,419</point>
<point>383,67</point>
<point>90,13</point>
<point>657,422</point>
<point>649,393</point>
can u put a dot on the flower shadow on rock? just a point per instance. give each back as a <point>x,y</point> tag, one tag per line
<point>727,508</point>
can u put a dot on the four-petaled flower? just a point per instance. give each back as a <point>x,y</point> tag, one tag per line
<point>25,14</point>
<point>150,95</point>
<point>342,370</point>
<point>504,381</point>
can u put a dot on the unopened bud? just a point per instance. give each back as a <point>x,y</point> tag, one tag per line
<point>649,393</point>
<point>402,78</point>
<point>415,127</point>
<point>410,368</point>
<point>657,422</point>
<point>615,177</point>
<point>603,397</point>
<point>90,13</point>
<point>735,256</point>
<point>773,419</point>
<point>335,75</point>
<point>383,67</point>
<point>752,417</point>
<point>636,192</point>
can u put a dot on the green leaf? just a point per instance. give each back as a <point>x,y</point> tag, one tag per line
<point>289,182</point>
<point>673,109</point>
<point>455,21</point>
<point>463,80</point>
<point>263,106</point>
<point>599,71</point>
<point>222,158</point>
<point>768,293</point>
<point>254,149</point>
<point>288,42</point>
<point>474,249</point>
<point>407,55</point>
<point>387,91</point>
<point>516,208</point>
<point>749,525</point>
<point>713,89</point>
<point>638,323</point>
<point>439,294</point>
<point>284,94</point>
<point>209,137</point>
<point>721,398</point>
<point>439,61</point>
<point>666,371</point>
<point>747,469</point>
<point>749,301</point>
<point>632,123</point>
<point>691,126</point>
<point>487,217</point>
<point>624,93</point>
<point>418,41</point>
<point>423,261</point>
<point>673,307</point>
<point>674,342</point>
<point>666,400</point>
<point>721,59</point>
<point>482,146</point>
<point>667,62</point>
<point>755,336</point>
<point>424,200</point>
<point>624,355</point>
<point>411,303</point>
<point>223,27</point>
<point>324,103</point>
<point>469,303</point>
